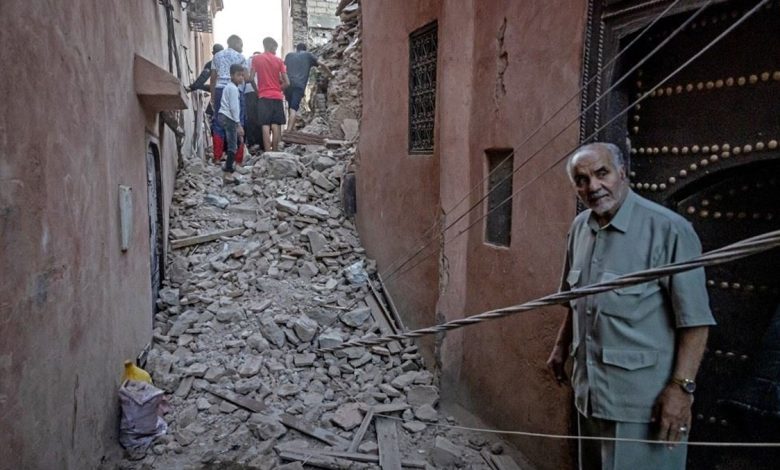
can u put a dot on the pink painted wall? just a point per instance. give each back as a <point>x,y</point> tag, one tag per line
<point>72,305</point>
<point>398,193</point>
<point>496,370</point>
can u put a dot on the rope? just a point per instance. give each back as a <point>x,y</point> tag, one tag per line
<point>594,438</point>
<point>734,251</point>
<point>591,136</point>
<point>525,140</point>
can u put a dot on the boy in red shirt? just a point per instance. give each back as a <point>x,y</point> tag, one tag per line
<point>271,80</point>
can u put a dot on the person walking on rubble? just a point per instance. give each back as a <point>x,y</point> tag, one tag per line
<point>637,349</point>
<point>271,80</point>
<point>220,77</point>
<point>299,64</point>
<point>253,137</point>
<point>230,118</point>
<point>205,74</point>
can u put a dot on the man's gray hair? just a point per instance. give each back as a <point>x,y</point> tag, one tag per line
<point>614,151</point>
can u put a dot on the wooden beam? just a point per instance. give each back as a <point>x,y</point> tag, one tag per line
<point>357,457</point>
<point>244,402</point>
<point>319,460</point>
<point>318,433</point>
<point>207,237</point>
<point>504,462</point>
<point>361,432</point>
<point>387,437</point>
<point>488,458</point>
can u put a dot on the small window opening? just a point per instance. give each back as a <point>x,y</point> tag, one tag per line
<point>423,53</point>
<point>498,225</point>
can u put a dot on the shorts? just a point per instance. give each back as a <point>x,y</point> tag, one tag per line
<point>294,95</point>
<point>270,112</point>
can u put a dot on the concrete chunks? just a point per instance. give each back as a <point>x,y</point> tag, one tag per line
<point>272,332</point>
<point>422,395</point>
<point>357,317</point>
<point>281,165</point>
<point>445,454</point>
<point>305,328</point>
<point>348,416</point>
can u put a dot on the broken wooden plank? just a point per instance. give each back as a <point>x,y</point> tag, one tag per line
<point>488,458</point>
<point>373,458</point>
<point>381,318</point>
<point>244,402</point>
<point>304,138</point>
<point>318,433</point>
<point>361,432</point>
<point>333,254</point>
<point>335,143</point>
<point>504,462</point>
<point>316,459</point>
<point>387,437</point>
<point>184,242</point>
<point>390,408</point>
<point>390,304</point>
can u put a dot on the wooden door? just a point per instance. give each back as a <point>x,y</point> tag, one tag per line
<point>153,184</point>
<point>706,146</point>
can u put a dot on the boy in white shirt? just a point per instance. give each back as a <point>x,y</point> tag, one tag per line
<point>230,117</point>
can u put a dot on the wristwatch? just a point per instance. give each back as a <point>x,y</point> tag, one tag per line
<point>688,385</point>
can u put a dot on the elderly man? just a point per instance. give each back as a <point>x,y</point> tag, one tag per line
<point>636,350</point>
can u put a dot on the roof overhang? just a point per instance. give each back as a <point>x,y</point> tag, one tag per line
<point>158,89</point>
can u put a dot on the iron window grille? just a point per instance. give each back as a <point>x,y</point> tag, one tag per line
<point>423,52</point>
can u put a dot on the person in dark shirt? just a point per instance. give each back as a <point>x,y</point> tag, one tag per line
<point>298,64</point>
<point>200,82</point>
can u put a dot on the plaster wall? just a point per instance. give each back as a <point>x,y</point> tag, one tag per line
<point>397,193</point>
<point>73,306</point>
<point>503,68</point>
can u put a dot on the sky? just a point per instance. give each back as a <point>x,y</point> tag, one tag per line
<point>252,20</point>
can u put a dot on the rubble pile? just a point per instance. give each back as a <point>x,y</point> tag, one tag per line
<point>336,105</point>
<point>261,274</point>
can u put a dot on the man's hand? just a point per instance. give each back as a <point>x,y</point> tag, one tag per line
<point>672,413</point>
<point>240,131</point>
<point>557,364</point>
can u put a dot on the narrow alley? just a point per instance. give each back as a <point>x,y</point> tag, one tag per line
<point>242,317</point>
<point>390,234</point>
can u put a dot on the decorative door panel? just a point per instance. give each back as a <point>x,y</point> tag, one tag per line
<point>705,145</point>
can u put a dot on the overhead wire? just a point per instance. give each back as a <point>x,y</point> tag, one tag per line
<point>594,438</point>
<point>732,252</point>
<point>641,98</point>
<point>617,83</point>
<point>549,119</point>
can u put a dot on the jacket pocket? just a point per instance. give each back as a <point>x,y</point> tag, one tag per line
<point>631,303</point>
<point>629,359</point>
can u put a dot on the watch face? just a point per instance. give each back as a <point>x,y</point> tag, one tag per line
<point>690,386</point>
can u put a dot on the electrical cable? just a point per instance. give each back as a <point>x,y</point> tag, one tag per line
<point>738,250</point>
<point>641,98</point>
<point>594,438</point>
<point>617,83</point>
<point>525,140</point>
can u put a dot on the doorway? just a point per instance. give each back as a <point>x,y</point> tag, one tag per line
<point>154,192</point>
<point>705,145</point>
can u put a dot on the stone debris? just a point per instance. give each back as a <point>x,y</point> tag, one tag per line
<point>246,312</point>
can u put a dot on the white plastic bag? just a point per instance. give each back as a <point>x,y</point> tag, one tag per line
<point>140,423</point>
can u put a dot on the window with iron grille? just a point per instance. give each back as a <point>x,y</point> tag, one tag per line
<point>498,224</point>
<point>423,46</point>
